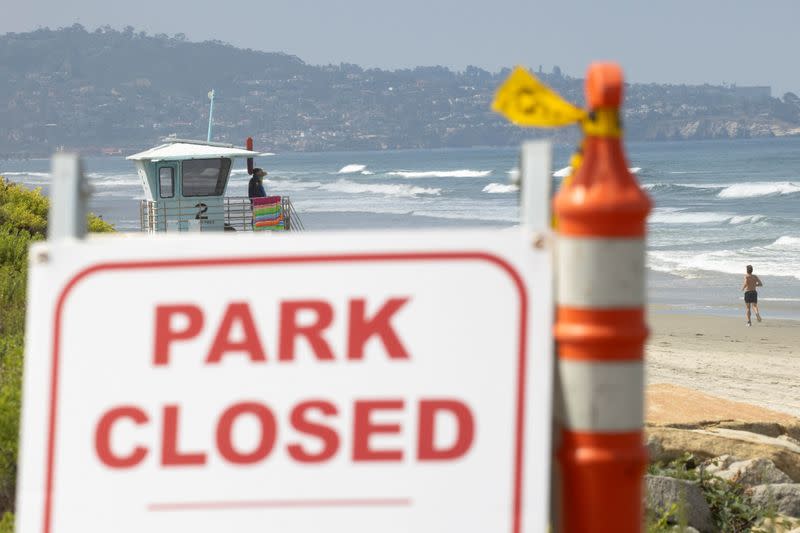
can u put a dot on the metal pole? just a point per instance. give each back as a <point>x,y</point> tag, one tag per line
<point>536,183</point>
<point>69,197</point>
<point>210,113</point>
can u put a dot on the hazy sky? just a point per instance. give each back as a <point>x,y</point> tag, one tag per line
<point>746,42</point>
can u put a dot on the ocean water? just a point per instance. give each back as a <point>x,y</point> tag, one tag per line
<point>719,205</point>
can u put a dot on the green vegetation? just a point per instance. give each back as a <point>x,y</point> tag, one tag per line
<point>731,510</point>
<point>7,523</point>
<point>23,220</point>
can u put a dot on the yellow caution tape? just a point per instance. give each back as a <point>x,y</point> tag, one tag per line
<point>603,122</point>
<point>526,101</point>
<point>574,162</point>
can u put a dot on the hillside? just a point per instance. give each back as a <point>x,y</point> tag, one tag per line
<point>120,90</point>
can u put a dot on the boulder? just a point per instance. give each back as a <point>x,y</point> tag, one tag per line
<point>654,448</point>
<point>683,529</point>
<point>777,524</point>
<point>717,464</point>
<point>662,492</point>
<point>783,498</point>
<point>671,443</point>
<point>752,472</point>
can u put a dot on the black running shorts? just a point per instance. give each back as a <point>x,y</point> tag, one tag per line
<point>751,297</point>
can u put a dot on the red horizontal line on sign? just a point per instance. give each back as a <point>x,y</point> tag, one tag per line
<point>276,504</point>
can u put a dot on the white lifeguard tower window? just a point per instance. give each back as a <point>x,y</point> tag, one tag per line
<point>166,182</point>
<point>204,177</point>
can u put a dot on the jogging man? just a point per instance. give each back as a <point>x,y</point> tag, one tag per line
<point>751,281</point>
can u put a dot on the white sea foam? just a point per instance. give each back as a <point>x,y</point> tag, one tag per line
<point>567,170</point>
<point>760,188</point>
<point>659,186</point>
<point>114,181</point>
<point>31,174</point>
<point>328,207</point>
<point>703,185</point>
<point>563,172</point>
<point>747,219</point>
<point>486,215</point>
<point>367,173</point>
<point>386,189</point>
<point>691,172</point>
<point>464,173</point>
<point>673,215</point>
<point>786,242</point>
<point>780,258</point>
<point>291,185</point>
<point>352,169</point>
<point>266,154</point>
<point>500,188</point>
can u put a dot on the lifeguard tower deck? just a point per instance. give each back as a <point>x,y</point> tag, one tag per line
<point>185,182</point>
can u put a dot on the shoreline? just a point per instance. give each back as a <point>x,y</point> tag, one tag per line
<point>722,357</point>
<point>96,151</point>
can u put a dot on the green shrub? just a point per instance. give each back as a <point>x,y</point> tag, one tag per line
<point>23,220</point>
<point>98,225</point>
<point>23,208</point>
<point>731,510</point>
<point>7,523</point>
<point>11,350</point>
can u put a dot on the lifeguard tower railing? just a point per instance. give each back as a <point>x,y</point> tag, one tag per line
<point>186,215</point>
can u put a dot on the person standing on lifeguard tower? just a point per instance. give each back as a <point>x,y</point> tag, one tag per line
<point>256,187</point>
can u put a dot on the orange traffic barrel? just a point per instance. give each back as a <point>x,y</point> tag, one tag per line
<point>600,325</point>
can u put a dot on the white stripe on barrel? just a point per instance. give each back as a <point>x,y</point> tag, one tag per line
<point>602,396</point>
<point>600,273</point>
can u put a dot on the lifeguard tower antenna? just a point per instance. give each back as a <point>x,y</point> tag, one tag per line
<point>210,113</point>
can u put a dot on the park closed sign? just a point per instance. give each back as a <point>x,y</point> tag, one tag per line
<point>322,383</point>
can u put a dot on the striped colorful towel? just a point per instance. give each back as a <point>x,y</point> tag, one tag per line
<point>268,214</point>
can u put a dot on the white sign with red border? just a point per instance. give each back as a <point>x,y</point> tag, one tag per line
<point>341,383</point>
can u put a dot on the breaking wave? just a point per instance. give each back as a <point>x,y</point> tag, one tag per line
<point>352,169</point>
<point>779,258</point>
<point>747,219</point>
<point>567,170</point>
<point>39,174</point>
<point>563,172</point>
<point>785,242</point>
<point>465,173</point>
<point>678,216</point>
<point>386,189</point>
<point>662,187</point>
<point>486,216</point>
<point>762,188</point>
<point>500,188</point>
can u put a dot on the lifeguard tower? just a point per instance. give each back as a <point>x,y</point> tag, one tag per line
<point>185,183</point>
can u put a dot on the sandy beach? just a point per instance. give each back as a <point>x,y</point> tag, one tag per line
<point>720,356</point>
